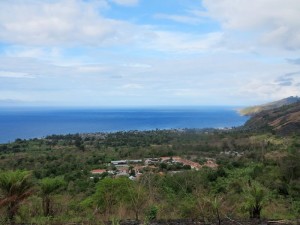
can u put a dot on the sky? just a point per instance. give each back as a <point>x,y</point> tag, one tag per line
<point>97,53</point>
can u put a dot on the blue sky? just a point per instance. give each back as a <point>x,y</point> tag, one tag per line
<point>99,53</point>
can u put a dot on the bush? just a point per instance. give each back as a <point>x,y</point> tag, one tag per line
<point>151,213</point>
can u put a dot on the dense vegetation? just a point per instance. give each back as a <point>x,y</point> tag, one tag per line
<point>47,181</point>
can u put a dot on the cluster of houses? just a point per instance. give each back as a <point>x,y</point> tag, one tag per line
<point>135,168</point>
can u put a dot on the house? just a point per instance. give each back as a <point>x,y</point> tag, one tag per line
<point>138,169</point>
<point>211,164</point>
<point>177,159</point>
<point>98,171</point>
<point>122,169</point>
<point>151,161</point>
<point>134,161</point>
<point>165,158</point>
<point>122,173</point>
<point>119,162</point>
<point>127,161</point>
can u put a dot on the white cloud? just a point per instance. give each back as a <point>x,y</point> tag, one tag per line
<point>50,25</point>
<point>93,69</point>
<point>66,22</point>
<point>275,22</point>
<point>262,91</point>
<point>197,80</point>
<point>61,42</point>
<point>132,86</point>
<point>180,18</point>
<point>126,2</point>
<point>181,42</point>
<point>26,53</point>
<point>9,74</point>
<point>33,52</point>
<point>137,65</point>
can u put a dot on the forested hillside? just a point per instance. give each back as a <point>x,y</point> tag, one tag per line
<point>257,176</point>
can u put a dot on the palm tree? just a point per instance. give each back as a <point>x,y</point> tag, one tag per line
<point>48,187</point>
<point>254,196</point>
<point>15,187</point>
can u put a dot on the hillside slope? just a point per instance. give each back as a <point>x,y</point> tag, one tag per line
<point>250,111</point>
<point>284,120</point>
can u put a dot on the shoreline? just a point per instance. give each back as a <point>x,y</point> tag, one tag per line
<point>39,124</point>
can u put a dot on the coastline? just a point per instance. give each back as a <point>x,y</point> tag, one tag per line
<point>39,123</point>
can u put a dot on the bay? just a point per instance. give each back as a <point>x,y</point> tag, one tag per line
<point>26,123</point>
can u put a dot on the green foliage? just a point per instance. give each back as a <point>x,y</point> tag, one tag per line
<point>48,186</point>
<point>137,198</point>
<point>115,221</point>
<point>290,166</point>
<point>61,168</point>
<point>151,213</point>
<point>187,207</point>
<point>15,187</point>
<point>254,199</point>
<point>111,192</point>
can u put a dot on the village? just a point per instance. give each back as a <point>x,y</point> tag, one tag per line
<point>134,168</point>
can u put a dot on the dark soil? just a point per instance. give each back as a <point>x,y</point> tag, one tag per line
<point>196,222</point>
<point>188,222</point>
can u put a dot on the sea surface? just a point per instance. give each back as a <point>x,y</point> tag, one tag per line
<point>26,123</point>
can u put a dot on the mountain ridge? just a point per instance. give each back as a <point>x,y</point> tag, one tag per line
<point>284,120</point>
<point>253,110</point>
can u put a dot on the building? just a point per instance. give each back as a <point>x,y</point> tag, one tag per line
<point>177,159</point>
<point>134,161</point>
<point>127,161</point>
<point>98,171</point>
<point>211,164</point>
<point>152,161</point>
<point>119,162</point>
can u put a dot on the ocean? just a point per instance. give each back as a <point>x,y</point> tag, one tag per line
<point>26,123</point>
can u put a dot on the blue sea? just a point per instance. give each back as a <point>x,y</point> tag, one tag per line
<point>26,123</point>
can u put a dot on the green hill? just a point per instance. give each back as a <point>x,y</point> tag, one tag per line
<point>250,111</point>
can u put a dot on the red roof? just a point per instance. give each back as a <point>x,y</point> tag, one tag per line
<point>98,171</point>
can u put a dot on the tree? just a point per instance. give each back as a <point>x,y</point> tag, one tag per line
<point>15,187</point>
<point>290,166</point>
<point>48,186</point>
<point>216,204</point>
<point>111,193</point>
<point>137,198</point>
<point>208,206</point>
<point>254,196</point>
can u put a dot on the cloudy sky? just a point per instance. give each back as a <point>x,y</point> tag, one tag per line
<point>148,52</point>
